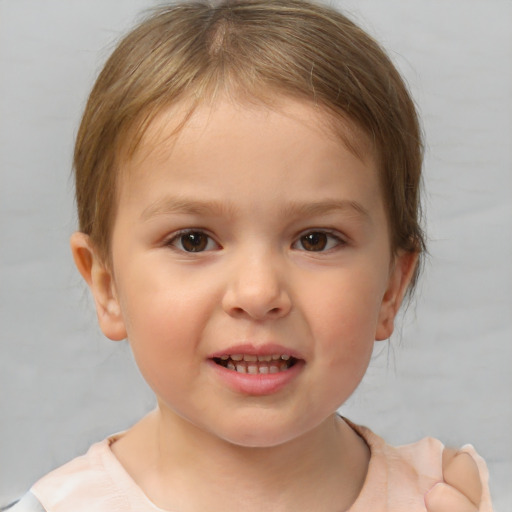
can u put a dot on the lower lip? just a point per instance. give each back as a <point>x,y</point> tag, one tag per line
<point>259,384</point>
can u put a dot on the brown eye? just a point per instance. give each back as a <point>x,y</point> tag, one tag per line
<point>315,241</point>
<point>319,241</point>
<point>193,241</point>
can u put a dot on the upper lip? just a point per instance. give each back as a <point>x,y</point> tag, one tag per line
<point>250,349</point>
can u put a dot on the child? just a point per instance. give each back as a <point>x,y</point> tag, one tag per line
<point>247,180</point>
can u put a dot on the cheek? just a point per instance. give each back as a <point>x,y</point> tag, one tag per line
<point>346,306</point>
<point>344,318</point>
<point>163,332</point>
<point>160,305</point>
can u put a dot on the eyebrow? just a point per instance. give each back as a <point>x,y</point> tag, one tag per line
<point>176,205</point>
<point>316,208</point>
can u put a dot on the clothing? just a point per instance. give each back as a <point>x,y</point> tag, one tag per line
<point>29,503</point>
<point>397,480</point>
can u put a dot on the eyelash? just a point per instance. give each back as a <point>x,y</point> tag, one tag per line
<point>329,240</point>
<point>177,240</point>
<point>332,241</point>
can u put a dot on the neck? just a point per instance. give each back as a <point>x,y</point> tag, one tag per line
<point>184,468</point>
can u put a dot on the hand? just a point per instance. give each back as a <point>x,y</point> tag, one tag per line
<point>461,490</point>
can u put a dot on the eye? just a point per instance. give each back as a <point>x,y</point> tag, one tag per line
<point>193,241</point>
<point>318,241</point>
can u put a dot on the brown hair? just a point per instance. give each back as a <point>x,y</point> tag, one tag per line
<point>254,48</point>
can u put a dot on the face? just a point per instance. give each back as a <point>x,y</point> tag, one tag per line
<point>252,270</point>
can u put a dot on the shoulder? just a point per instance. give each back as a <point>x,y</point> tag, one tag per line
<point>404,474</point>
<point>88,479</point>
<point>398,477</point>
<point>463,469</point>
<point>423,458</point>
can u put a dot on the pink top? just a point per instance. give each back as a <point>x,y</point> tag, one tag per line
<point>397,480</point>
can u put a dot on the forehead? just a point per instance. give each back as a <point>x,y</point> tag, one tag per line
<point>239,154</point>
<point>160,132</point>
<point>230,158</point>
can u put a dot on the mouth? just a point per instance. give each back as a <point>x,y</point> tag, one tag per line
<point>256,364</point>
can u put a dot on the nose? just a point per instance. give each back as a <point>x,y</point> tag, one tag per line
<point>257,288</point>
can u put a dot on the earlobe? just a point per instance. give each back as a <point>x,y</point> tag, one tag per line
<point>100,281</point>
<point>399,280</point>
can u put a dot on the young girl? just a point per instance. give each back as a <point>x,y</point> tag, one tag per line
<point>247,182</point>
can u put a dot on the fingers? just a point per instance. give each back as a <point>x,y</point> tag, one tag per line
<point>445,498</point>
<point>461,472</point>
<point>461,490</point>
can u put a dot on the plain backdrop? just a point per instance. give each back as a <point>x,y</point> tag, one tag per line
<point>446,373</point>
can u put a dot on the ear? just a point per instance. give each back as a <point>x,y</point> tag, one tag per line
<point>102,286</point>
<point>401,273</point>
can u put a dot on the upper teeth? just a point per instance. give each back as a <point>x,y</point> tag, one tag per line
<point>254,358</point>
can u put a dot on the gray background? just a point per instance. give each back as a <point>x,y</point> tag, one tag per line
<point>446,373</point>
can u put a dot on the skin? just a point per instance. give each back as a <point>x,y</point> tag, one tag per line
<point>254,185</point>
<point>461,489</point>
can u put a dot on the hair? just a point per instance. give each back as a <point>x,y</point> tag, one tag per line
<point>251,49</point>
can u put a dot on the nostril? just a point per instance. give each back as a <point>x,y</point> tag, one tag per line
<point>256,302</point>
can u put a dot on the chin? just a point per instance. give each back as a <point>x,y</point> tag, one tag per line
<point>260,433</point>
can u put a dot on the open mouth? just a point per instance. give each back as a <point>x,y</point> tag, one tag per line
<point>248,363</point>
